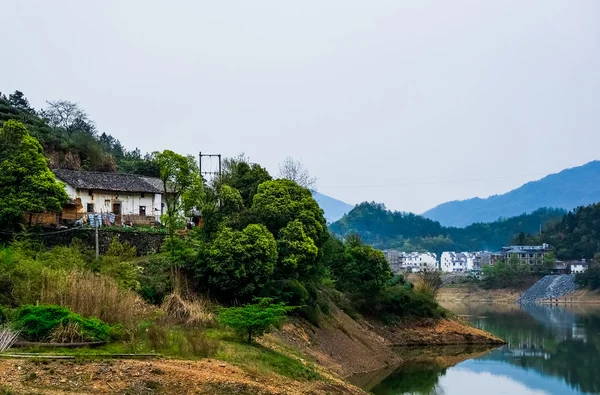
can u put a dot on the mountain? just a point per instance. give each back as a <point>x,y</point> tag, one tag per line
<point>571,188</point>
<point>384,229</point>
<point>334,209</point>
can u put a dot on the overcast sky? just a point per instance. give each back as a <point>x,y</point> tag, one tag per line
<point>410,103</point>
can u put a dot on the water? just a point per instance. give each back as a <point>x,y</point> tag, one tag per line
<point>550,350</point>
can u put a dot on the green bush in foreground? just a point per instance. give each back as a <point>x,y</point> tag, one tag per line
<point>38,323</point>
<point>254,320</point>
<point>402,301</point>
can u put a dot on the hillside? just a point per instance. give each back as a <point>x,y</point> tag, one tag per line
<point>571,188</point>
<point>334,208</point>
<point>411,232</point>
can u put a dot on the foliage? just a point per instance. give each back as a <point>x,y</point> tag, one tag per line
<point>279,202</point>
<point>240,174</point>
<point>71,140</point>
<point>410,232</point>
<point>238,263</point>
<point>118,264</point>
<point>297,251</point>
<point>154,279</point>
<point>401,301</point>
<point>591,277</point>
<point>506,274</point>
<point>254,320</point>
<point>26,183</point>
<point>37,323</point>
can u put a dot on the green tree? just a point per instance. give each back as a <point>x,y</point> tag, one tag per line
<point>279,202</point>
<point>297,251</point>
<point>254,320</point>
<point>239,263</point>
<point>26,183</point>
<point>244,176</point>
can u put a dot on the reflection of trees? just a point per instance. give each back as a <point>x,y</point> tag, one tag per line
<point>414,378</point>
<point>549,340</point>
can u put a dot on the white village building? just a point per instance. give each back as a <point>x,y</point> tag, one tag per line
<point>131,198</point>
<point>401,262</point>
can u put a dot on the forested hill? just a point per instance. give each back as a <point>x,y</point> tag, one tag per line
<point>411,232</point>
<point>576,236</point>
<point>334,208</point>
<point>571,188</point>
<point>70,138</point>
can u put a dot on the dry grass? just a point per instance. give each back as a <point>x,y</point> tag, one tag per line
<point>70,333</point>
<point>8,337</point>
<point>189,311</point>
<point>92,295</point>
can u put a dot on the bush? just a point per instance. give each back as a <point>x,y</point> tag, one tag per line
<point>401,301</point>
<point>154,280</point>
<point>5,315</point>
<point>39,323</point>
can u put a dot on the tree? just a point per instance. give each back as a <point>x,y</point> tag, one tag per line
<point>244,176</point>
<point>26,183</point>
<point>239,263</point>
<point>430,281</point>
<point>18,100</point>
<point>297,251</point>
<point>66,115</point>
<point>254,320</point>
<point>294,170</point>
<point>183,191</point>
<point>279,202</point>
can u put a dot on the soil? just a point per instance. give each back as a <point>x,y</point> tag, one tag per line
<point>152,377</point>
<point>474,294</point>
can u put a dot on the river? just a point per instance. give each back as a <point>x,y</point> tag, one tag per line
<point>550,350</point>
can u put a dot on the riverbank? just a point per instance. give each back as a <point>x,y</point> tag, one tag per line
<point>337,350</point>
<point>467,293</point>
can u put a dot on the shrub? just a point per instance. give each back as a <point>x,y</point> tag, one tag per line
<point>118,264</point>
<point>155,282</point>
<point>5,315</point>
<point>93,295</point>
<point>38,323</point>
<point>254,320</point>
<point>401,301</point>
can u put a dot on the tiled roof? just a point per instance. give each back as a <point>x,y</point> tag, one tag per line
<point>109,181</point>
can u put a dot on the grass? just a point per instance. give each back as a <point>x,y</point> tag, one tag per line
<point>186,343</point>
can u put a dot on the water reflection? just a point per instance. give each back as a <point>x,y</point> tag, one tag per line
<point>550,350</point>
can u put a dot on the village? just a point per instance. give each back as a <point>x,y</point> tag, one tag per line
<point>473,262</point>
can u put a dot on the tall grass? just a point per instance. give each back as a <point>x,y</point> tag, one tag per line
<point>189,310</point>
<point>93,295</point>
<point>8,337</point>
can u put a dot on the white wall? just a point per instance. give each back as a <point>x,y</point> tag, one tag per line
<point>578,268</point>
<point>130,201</point>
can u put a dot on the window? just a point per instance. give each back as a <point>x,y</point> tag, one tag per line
<point>90,207</point>
<point>143,195</point>
<point>142,210</point>
<point>107,202</point>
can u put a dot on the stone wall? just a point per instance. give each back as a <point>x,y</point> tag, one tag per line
<point>145,242</point>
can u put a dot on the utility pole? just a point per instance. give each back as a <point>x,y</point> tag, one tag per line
<point>97,225</point>
<point>209,171</point>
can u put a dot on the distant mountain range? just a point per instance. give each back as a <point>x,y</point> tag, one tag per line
<point>334,208</point>
<point>571,188</point>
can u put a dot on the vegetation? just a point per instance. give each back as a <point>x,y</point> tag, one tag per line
<point>256,319</point>
<point>576,236</point>
<point>514,274</point>
<point>591,277</point>
<point>410,232</point>
<point>27,186</point>
<point>38,323</point>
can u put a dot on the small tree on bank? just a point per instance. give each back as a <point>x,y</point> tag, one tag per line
<point>254,320</point>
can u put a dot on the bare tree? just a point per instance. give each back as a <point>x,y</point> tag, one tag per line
<point>67,115</point>
<point>294,170</point>
<point>429,281</point>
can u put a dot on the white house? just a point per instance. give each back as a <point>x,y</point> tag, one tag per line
<point>455,262</point>
<point>410,261</point>
<point>578,266</point>
<point>131,198</point>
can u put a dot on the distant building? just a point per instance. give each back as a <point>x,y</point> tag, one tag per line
<point>527,254</point>
<point>578,266</point>
<point>402,262</point>
<point>455,262</point>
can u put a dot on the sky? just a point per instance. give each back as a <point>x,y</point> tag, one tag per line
<point>409,103</point>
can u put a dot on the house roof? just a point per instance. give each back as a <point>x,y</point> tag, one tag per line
<point>109,181</point>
